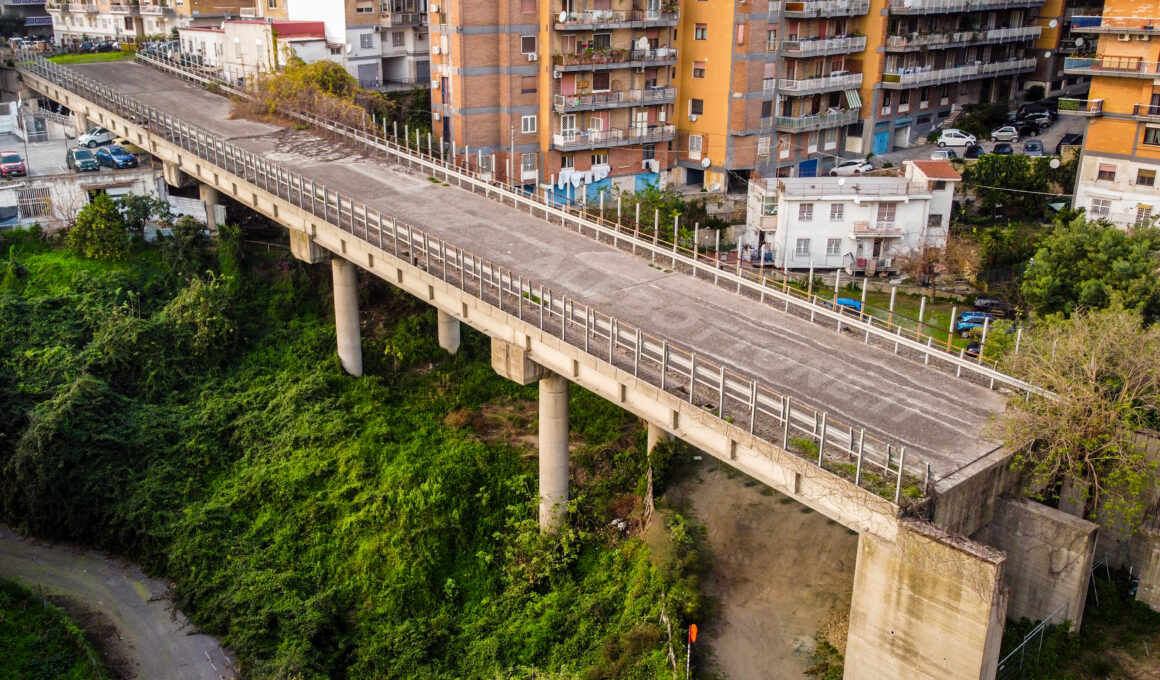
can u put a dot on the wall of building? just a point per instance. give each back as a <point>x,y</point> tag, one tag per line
<point>716,51</point>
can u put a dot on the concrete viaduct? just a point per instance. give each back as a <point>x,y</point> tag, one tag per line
<point>897,452</point>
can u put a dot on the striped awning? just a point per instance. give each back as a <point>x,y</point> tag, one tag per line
<point>853,101</point>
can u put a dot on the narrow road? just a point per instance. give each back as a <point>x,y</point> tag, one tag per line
<point>133,617</point>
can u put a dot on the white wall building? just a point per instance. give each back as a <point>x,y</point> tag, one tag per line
<point>859,224</point>
<point>1123,191</point>
<point>249,46</point>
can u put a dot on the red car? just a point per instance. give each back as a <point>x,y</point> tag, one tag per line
<point>12,165</point>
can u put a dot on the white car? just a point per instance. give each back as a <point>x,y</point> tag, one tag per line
<point>943,155</point>
<point>95,137</point>
<point>953,137</point>
<point>846,168</point>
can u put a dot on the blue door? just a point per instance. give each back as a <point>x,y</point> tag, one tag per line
<point>808,168</point>
<point>881,143</point>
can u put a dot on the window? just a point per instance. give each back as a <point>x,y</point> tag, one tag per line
<point>701,32</point>
<point>1106,173</point>
<point>398,39</point>
<point>648,152</point>
<point>806,213</point>
<point>528,44</point>
<point>33,203</point>
<point>567,162</point>
<point>364,9</point>
<point>602,41</point>
<point>831,138</point>
<point>802,249</point>
<point>272,4</point>
<point>601,81</point>
<point>528,84</point>
<point>237,48</point>
<point>366,40</point>
<point>1101,207</point>
<point>695,146</point>
<point>527,124</point>
<point>696,107</point>
<point>1146,178</point>
<point>833,246</point>
<point>600,158</point>
<point>1143,215</point>
<point>763,144</point>
<point>886,213</point>
<point>1152,136</point>
<point>698,69</point>
<point>837,211</point>
<point>530,162</point>
<point>940,185</point>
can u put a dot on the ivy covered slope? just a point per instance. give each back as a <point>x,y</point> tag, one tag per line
<point>326,526</point>
<point>39,642</point>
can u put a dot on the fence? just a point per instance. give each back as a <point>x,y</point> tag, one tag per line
<point>841,448</point>
<point>637,233</point>
<point>1011,666</point>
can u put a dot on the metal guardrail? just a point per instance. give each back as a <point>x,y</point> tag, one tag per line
<point>840,448</point>
<point>753,284</point>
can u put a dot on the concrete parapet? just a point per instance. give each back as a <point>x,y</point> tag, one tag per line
<point>553,451</point>
<point>514,363</point>
<point>965,500</point>
<point>448,332</point>
<point>304,248</point>
<point>346,323</point>
<point>1049,558</point>
<point>927,605</point>
<point>1146,556</point>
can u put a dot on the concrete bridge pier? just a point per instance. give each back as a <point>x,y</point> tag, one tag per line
<point>656,436</point>
<point>448,332</point>
<point>553,451</point>
<point>212,198</point>
<point>346,322</point>
<point>80,123</point>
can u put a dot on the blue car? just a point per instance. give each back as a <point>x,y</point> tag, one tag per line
<point>116,157</point>
<point>844,305</point>
<point>972,320</point>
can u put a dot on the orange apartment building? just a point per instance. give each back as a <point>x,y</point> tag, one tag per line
<point>1121,148</point>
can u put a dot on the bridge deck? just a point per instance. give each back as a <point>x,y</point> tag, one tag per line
<point>936,416</point>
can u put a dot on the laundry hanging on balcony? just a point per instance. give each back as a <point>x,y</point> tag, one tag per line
<point>576,178</point>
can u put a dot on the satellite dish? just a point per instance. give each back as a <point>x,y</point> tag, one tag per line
<point>1054,163</point>
<point>841,181</point>
<point>349,47</point>
<point>1052,24</point>
<point>1079,42</point>
<point>1047,55</point>
<point>705,162</point>
<point>563,17</point>
<point>642,44</point>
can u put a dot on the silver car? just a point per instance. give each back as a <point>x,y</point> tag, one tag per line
<point>1007,133</point>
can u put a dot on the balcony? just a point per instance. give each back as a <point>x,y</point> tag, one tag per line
<point>923,76</point>
<point>62,7</point>
<point>817,121</point>
<point>876,229</point>
<point>158,10</point>
<point>818,47</point>
<point>563,103</point>
<point>809,9</point>
<point>88,8</point>
<point>598,139</point>
<point>615,58</point>
<point>124,9</point>
<point>608,18</point>
<point>1149,113</point>
<point>913,42</point>
<point>400,19</point>
<point>830,83</point>
<point>954,6</point>
<point>1127,67</point>
<point>1088,108</point>
<point>1101,24</point>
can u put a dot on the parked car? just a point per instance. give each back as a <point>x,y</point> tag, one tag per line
<point>973,151</point>
<point>86,47</point>
<point>116,157</point>
<point>81,160</point>
<point>974,348</point>
<point>1033,147</point>
<point>1007,133</point>
<point>95,137</point>
<point>996,306</point>
<point>970,321</point>
<point>844,305</point>
<point>847,168</point>
<point>128,146</point>
<point>12,165</point>
<point>107,46</point>
<point>1042,119</point>
<point>953,137</point>
<point>1073,139</point>
<point>943,155</point>
<point>1003,149</point>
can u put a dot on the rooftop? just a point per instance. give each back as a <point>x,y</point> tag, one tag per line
<point>937,170</point>
<point>823,187</point>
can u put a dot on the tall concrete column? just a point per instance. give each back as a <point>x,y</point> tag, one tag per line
<point>553,451</point>
<point>346,315</point>
<point>448,332</point>
<point>80,123</point>
<point>655,436</point>
<point>211,197</point>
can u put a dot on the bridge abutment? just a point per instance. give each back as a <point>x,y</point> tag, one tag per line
<point>449,330</point>
<point>553,451</point>
<point>927,605</point>
<point>346,315</point>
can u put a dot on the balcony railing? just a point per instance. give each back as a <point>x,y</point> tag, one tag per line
<point>815,85</point>
<point>948,6</point>
<point>158,10</point>
<point>1089,108</point>
<point>914,41</point>
<point>919,77</point>
<point>593,139</point>
<point>823,46</point>
<point>1149,112</point>
<point>1130,67</point>
<point>610,100</point>
<point>1101,24</point>
<point>610,18</point>
<point>617,58</point>
<point>818,121</point>
<point>403,19</point>
<point>878,228</point>
<point>806,9</point>
<point>82,7</point>
<point>124,9</point>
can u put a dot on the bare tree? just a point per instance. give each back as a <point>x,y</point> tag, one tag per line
<point>1103,370</point>
<point>957,259</point>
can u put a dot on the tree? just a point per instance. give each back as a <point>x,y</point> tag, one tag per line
<point>1102,369</point>
<point>185,251</point>
<point>1085,264</point>
<point>10,25</point>
<point>138,210</point>
<point>959,258</point>
<point>99,232</point>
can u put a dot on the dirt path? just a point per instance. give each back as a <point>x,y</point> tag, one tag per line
<point>128,615</point>
<point>781,573</point>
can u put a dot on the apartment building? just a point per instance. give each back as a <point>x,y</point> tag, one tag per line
<point>1121,149</point>
<point>1056,43</point>
<point>128,20</point>
<point>36,19</point>
<point>860,224</point>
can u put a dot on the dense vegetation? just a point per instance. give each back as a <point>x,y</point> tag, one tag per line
<point>39,640</point>
<point>326,526</point>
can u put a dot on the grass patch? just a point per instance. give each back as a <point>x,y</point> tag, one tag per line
<point>40,642</point>
<point>73,59</point>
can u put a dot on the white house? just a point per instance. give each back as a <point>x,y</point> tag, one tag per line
<point>855,223</point>
<point>249,46</point>
<point>1122,190</point>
